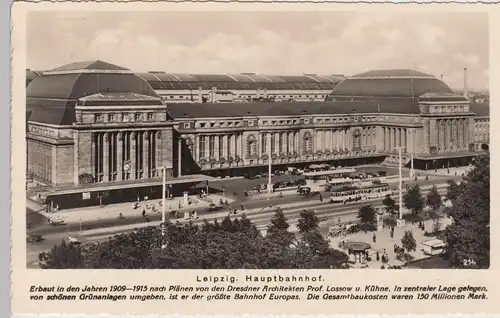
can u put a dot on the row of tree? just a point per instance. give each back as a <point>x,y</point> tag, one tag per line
<point>413,200</point>
<point>231,243</point>
<point>468,237</point>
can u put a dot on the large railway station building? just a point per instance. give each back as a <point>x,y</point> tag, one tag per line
<point>94,127</point>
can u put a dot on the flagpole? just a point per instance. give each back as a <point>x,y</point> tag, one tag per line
<point>269,183</point>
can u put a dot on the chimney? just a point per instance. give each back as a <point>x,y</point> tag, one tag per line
<point>214,94</point>
<point>441,77</point>
<point>466,89</point>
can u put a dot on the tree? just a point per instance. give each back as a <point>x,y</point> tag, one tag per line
<point>278,222</point>
<point>367,216</point>
<point>307,222</point>
<point>232,244</point>
<point>390,204</point>
<point>65,255</point>
<point>452,192</point>
<point>434,201</point>
<point>408,242</point>
<point>468,237</point>
<point>277,231</point>
<point>413,200</point>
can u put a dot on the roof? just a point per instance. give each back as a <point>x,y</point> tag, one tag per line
<point>391,87</point>
<point>213,110</point>
<point>480,109</point>
<point>89,65</point>
<point>77,85</point>
<point>393,73</point>
<point>51,97</point>
<point>30,75</point>
<point>244,81</point>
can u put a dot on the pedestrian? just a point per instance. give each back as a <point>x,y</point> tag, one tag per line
<point>320,198</point>
<point>235,211</point>
<point>338,219</point>
<point>143,213</point>
<point>242,207</point>
<point>374,238</point>
<point>378,256</point>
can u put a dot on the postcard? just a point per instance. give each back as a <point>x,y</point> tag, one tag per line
<point>197,158</point>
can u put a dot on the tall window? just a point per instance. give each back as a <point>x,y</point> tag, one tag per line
<point>264,142</point>
<point>280,143</point>
<point>221,146</point>
<point>356,140</point>
<point>307,144</point>
<point>230,145</point>
<point>202,147</point>
<point>273,143</point>
<point>251,146</point>
<point>211,146</point>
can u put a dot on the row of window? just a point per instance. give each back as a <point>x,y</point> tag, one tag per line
<point>40,160</point>
<point>448,109</point>
<point>288,122</point>
<point>100,118</point>
<point>244,96</point>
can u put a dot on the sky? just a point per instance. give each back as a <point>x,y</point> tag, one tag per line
<point>283,43</point>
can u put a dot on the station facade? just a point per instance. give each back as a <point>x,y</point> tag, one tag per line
<point>95,125</point>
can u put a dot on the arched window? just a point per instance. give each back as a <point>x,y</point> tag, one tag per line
<point>307,144</point>
<point>251,145</point>
<point>356,139</point>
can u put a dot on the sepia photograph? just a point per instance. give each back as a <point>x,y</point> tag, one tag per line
<point>257,140</point>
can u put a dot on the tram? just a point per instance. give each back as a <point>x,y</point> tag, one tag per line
<point>353,194</point>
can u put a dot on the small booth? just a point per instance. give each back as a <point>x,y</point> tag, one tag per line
<point>358,253</point>
<point>433,247</point>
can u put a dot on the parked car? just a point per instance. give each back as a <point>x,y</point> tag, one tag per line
<point>34,238</point>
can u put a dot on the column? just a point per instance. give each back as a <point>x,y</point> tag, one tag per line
<point>158,150</point>
<point>277,142</point>
<point>145,155</point>
<point>391,139</point>
<point>216,147</point>
<point>179,157</point>
<point>197,146</point>
<point>105,151</point>
<point>226,144</point>
<point>93,154</point>
<point>466,134</point>
<point>242,146</point>
<point>133,161</point>
<point>119,156</point>
<point>403,139</point>
<point>448,134</point>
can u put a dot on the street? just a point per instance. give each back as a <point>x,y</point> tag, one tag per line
<point>259,212</point>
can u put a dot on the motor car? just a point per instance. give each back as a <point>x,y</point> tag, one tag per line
<point>34,238</point>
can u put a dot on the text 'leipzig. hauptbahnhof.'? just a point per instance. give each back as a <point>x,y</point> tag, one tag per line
<point>95,127</point>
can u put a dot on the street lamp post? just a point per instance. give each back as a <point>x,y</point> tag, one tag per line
<point>269,182</point>
<point>163,203</point>
<point>400,184</point>
<point>400,221</point>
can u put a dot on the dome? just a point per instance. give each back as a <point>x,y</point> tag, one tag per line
<point>390,83</point>
<point>51,97</point>
<point>81,79</point>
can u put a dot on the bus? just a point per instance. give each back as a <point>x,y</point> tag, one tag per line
<point>352,193</point>
<point>339,183</point>
<point>321,178</point>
